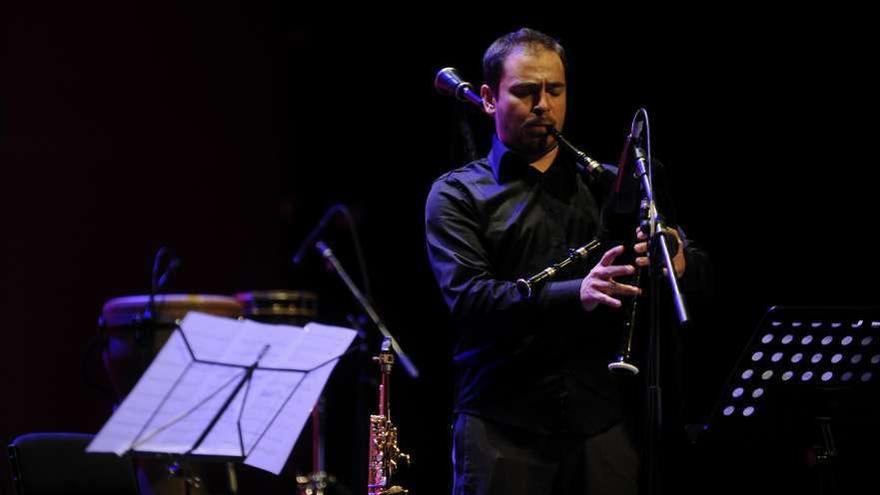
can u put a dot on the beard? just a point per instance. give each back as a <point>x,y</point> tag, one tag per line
<point>534,146</point>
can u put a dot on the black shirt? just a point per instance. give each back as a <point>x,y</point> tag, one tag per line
<point>536,363</point>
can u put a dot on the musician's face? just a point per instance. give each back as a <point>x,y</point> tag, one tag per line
<point>531,95</point>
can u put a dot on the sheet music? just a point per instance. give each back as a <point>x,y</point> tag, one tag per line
<point>321,343</point>
<point>129,419</point>
<point>177,397</point>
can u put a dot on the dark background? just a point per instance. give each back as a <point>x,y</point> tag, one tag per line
<point>225,130</point>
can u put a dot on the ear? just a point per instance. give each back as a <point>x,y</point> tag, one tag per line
<point>488,99</point>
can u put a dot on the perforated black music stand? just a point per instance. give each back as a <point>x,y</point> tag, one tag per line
<point>808,356</point>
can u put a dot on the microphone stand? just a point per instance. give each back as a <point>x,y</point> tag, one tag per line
<point>150,321</point>
<point>328,255</point>
<point>659,250</point>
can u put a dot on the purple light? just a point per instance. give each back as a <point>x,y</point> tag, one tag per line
<point>807,339</point>
<point>816,358</point>
<point>729,410</point>
<point>846,340</point>
<point>748,411</point>
<point>767,338</point>
<point>747,374</point>
<point>787,339</point>
<point>836,358</point>
<point>776,357</point>
<point>797,358</point>
<point>847,376</point>
<point>827,376</point>
<point>827,340</point>
<point>807,376</point>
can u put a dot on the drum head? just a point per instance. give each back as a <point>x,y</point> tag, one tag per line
<point>129,310</point>
<point>279,305</point>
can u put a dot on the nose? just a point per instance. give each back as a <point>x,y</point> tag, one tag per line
<point>542,103</point>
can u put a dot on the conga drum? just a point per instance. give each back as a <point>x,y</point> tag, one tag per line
<point>290,307</point>
<point>136,332</point>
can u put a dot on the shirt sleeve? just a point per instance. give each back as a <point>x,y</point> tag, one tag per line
<point>462,266</point>
<point>698,275</point>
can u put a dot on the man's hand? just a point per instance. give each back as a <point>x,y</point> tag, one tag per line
<point>599,286</point>
<point>641,248</point>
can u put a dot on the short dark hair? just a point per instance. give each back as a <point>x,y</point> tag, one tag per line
<point>493,59</point>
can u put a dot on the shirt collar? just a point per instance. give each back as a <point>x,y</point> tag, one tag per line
<point>507,164</point>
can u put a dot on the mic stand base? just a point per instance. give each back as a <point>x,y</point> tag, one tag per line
<point>623,368</point>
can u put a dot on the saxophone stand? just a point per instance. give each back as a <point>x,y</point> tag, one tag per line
<point>388,453</point>
<point>659,250</point>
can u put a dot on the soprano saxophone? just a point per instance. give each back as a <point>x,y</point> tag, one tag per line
<point>385,455</point>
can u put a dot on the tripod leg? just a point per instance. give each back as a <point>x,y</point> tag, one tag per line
<point>232,478</point>
<point>826,456</point>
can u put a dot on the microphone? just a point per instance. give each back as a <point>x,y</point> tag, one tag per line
<point>449,83</point>
<point>313,235</point>
<point>635,131</point>
<point>157,280</point>
<point>632,139</point>
<point>173,265</point>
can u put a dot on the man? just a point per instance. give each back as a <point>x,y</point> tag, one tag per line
<point>537,411</point>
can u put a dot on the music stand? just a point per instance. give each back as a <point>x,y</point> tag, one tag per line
<point>808,356</point>
<point>226,390</point>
